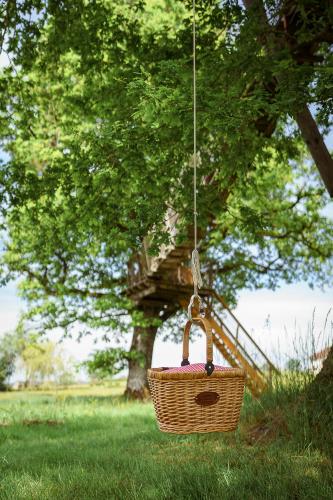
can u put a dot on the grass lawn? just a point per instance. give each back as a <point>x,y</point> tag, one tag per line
<point>88,442</point>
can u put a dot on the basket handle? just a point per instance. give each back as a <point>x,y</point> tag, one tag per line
<point>203,322</point>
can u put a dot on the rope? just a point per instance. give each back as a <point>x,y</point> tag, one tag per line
<point>197,280</point>
<point>194,133</point>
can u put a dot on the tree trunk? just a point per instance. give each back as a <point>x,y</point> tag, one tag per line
<point>142,345</point>
<point>316,145</point>
<point>321,388</point>
<point>319,405</point>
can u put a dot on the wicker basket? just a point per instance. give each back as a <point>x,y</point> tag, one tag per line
<point>197,401</point>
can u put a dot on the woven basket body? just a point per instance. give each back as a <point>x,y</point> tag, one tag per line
<point>187,402</point>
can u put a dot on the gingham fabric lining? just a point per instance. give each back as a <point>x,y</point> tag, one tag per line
<point>196,367</point>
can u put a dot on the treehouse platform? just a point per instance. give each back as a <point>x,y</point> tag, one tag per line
<point>161,281</point>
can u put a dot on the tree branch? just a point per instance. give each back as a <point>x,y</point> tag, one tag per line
<point>45,283</point>
<point>307,125</point>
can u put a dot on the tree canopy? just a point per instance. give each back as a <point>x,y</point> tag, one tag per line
<point>96,123</point>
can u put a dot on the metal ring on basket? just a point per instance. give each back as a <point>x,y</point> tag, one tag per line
<point>191,304</point>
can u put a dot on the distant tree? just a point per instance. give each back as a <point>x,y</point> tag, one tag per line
<point>294,365</point>
<point>11,345</point>
<point>8,355</point>
<point>43,362</point>
<point>108,362</point>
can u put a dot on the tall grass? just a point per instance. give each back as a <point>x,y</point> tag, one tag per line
<point>319,336</point>
<point>287,408</point>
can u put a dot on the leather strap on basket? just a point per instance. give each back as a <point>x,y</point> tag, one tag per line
<point>209,366</point>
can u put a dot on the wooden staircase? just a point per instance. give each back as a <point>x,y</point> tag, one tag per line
<point>165,283</point>
<point>236,345</point>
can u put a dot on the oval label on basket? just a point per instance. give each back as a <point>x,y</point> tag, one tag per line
<point>207,398</point>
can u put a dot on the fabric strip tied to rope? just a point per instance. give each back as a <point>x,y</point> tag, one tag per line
<point>197,280</point>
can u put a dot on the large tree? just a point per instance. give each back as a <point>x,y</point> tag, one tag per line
<point>96,112</point>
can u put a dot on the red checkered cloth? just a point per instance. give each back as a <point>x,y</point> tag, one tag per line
<point>196,367</point>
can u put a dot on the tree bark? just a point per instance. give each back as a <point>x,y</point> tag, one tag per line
<point>316,145</point>
<point>142,345</point>
<point>323,383</point>
<point>319,406</point>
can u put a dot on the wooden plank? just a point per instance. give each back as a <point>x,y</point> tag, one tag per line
<point>151,301</point>
<point>139,295</point>
<point>180,252</point>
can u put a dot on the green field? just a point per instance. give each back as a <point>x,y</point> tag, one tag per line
<point>88,442</point>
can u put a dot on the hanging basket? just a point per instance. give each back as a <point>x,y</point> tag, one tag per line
<point>200,397</point>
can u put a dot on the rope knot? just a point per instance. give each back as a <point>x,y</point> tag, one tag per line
<point>197,280</point>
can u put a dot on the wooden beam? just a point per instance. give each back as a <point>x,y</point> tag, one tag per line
<point>139,295</point>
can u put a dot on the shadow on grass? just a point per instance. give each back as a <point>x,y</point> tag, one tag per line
<point>123,455</point>
<point>88,399</point>
<point>108,448</point>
